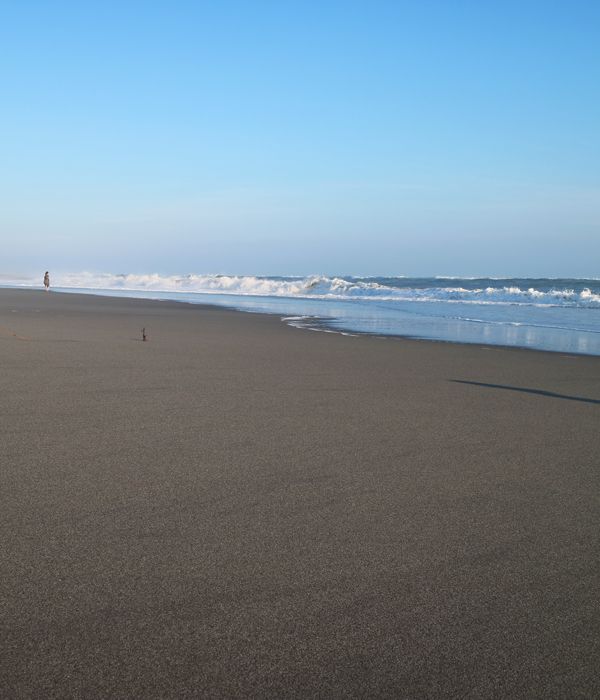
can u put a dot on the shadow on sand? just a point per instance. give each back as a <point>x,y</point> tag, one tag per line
<point>541,392</point>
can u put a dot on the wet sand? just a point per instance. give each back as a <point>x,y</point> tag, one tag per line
<point>237,508</point>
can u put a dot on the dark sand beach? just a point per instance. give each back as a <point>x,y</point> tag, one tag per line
<point>237,508</point>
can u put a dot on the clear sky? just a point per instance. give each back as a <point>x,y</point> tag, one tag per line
<point>258,137</point>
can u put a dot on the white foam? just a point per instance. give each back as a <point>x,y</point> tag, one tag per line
<point>320,287</point>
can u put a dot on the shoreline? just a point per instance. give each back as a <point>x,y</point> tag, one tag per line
<point>237,509</point>
<point>322,324</point>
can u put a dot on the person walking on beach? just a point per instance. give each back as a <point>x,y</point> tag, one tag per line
<point>47,280</point>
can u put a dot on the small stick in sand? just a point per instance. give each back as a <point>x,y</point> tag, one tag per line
<point>144,334</point>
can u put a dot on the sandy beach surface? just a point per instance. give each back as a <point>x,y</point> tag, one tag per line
<point>237,508</point>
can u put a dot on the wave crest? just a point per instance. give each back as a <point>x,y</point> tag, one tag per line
<point>321,287</point>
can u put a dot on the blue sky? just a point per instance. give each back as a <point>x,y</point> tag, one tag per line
<point>301,137</point>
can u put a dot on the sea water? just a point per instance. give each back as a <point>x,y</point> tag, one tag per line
<point>560,315</point>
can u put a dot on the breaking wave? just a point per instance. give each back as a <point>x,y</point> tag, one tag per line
<point>476,291</point>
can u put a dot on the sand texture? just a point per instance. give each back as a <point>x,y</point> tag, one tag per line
<point>237,508</point>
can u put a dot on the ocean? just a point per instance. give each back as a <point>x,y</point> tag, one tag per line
<point>561,315</point>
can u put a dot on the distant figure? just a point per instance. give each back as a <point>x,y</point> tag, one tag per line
<point>144,334</point>
<point>47,280</point>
